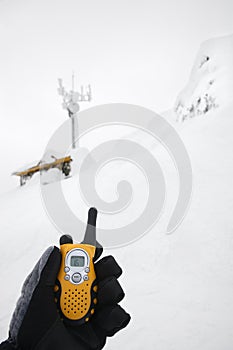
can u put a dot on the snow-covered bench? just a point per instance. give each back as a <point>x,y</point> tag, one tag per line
<point>62,164</point>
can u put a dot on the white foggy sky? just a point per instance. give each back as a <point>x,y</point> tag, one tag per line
<point>130,51</point>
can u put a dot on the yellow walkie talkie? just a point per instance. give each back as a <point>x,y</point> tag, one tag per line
<point>77,279</point>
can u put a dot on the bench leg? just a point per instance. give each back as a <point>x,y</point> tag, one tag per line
<point>22,180</point>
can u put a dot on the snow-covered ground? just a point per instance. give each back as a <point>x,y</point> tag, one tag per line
<point>211,81</point>
<point>180,295</point>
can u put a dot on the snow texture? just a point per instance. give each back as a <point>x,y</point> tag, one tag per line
<point>211,80</point>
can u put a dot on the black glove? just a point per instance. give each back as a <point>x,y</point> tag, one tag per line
<point>36,323</point>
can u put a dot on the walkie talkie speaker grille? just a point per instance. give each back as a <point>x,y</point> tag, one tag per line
<point>77,302</point>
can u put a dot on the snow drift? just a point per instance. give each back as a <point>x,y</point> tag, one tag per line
<point>211,81</point>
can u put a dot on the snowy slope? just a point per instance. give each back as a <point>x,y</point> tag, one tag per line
<point>211,81</point>
<point>180,296</point>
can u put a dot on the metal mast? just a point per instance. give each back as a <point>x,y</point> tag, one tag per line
<point>71,102</point>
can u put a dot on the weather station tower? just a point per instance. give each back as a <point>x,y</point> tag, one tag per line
<point>71,101</point>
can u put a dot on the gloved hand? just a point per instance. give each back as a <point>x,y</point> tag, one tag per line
<point>36,323</point>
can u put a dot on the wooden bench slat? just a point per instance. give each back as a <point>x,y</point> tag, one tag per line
<point>45,166</point>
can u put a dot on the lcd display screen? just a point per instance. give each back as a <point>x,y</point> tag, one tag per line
<point>77,261</point>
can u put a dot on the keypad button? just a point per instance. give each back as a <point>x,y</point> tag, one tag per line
<point>87,269</point>
<point>85,277</point>
<point>67,277</point>
<point>76,278</point>
<point>67,269</point>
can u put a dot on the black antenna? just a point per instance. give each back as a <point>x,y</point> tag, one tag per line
<point>66,239</point>
<point>90,235</point>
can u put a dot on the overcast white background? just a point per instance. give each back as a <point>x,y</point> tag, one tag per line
<point>130,51</point>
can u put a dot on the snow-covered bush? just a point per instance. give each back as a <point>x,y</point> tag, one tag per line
<point>200,106</point>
